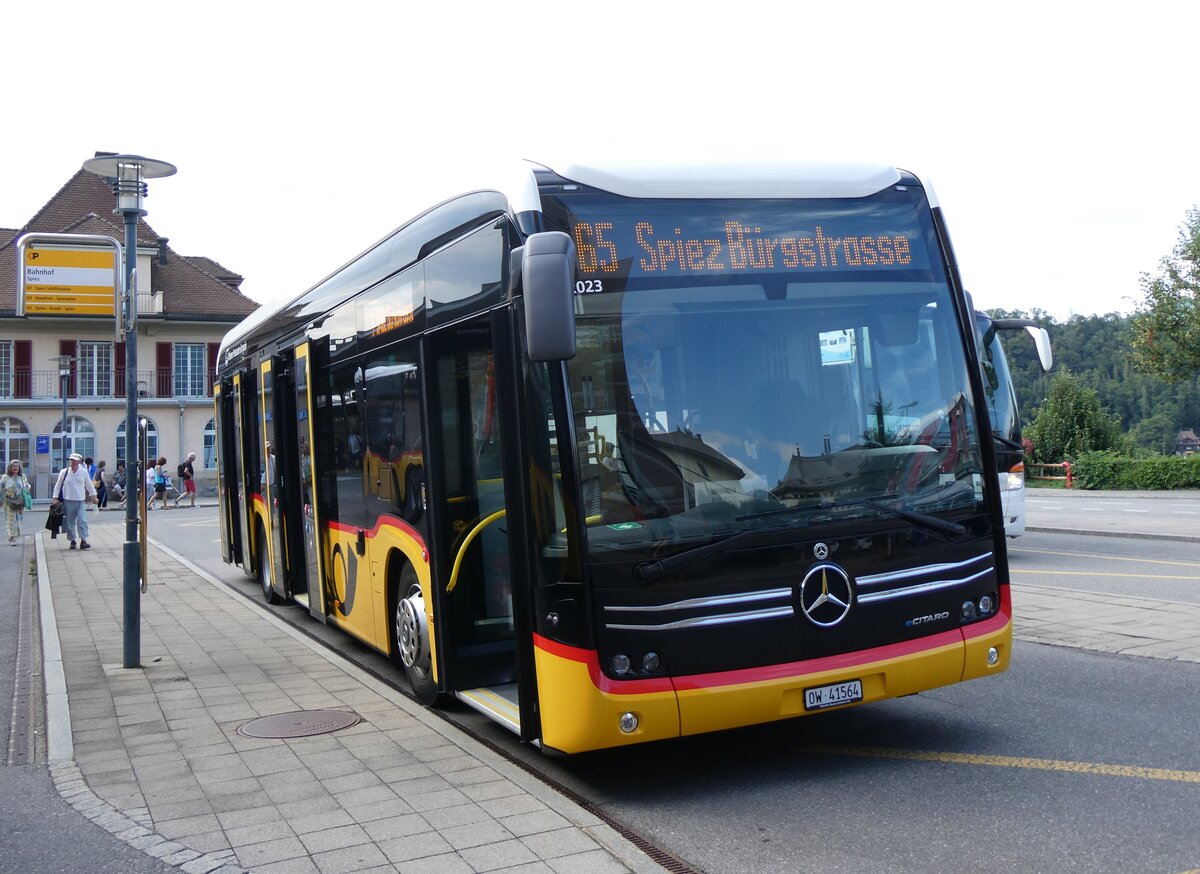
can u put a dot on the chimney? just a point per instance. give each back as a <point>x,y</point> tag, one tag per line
<point>162,251</point>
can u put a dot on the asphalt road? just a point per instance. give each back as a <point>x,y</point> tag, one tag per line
<point>1070,760</point>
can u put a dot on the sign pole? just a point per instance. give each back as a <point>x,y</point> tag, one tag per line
<point>125,173</point>
<point>132,554</point>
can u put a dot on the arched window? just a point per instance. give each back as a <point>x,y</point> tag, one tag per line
<point>210,445</point>
<point>151,441</point>
<point>81,438</point>
<point>14,443</point>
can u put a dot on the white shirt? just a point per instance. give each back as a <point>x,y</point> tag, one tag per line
<point>74,485</point>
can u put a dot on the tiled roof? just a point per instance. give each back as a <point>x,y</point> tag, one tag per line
<point>208,265</point>
<point>84,205</point>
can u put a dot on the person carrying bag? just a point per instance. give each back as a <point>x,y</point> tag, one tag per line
<point>73,491</point>
<point>17,499</point>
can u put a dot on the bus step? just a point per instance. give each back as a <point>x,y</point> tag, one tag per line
<point>497,702</point>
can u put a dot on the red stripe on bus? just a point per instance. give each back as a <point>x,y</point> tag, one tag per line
<point>591,659</point>
<point>386,522</point>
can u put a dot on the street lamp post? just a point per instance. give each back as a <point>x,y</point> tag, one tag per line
<point>125,173</point>
<point>64,380</point>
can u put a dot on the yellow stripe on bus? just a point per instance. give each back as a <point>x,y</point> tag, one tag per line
<point>1134,771</point>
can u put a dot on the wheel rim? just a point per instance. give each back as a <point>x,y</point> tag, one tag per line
<point>412,638</point>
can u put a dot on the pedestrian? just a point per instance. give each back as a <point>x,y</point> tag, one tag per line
<point>187,475</point>
<point>118,483</point>
<point>160,482</point>
<point>101,486</point>
<point>74,491</point>
<point>15,488</point>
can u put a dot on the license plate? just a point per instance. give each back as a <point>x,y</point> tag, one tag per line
<point>833,695</point>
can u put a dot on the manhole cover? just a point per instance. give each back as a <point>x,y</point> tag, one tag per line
<point>301,723</point>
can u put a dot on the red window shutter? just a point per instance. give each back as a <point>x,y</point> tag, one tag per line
<point>69,347</point>
<point>22,369</point>
<point>211,377</point>
<point>164,362</point>
<point>119,370</point>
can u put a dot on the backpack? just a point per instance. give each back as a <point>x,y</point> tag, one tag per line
<point>180,472</point>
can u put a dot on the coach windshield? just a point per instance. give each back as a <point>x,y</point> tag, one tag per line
<point>737,359</point>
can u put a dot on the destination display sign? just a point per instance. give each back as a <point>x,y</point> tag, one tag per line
<point>70,281</point>
<point>626,239</point>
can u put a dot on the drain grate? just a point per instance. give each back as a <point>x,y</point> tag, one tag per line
<point>300,723</point>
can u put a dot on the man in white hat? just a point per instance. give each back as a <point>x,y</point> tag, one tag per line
<point>75,490</point>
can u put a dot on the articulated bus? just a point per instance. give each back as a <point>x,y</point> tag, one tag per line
<point>615,453</point>
<point>1001,399</point>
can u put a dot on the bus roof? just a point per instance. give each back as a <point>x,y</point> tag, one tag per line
<point>730,180</point>
<point>675,179</point>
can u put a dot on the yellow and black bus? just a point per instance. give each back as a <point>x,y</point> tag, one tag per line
<point>616,453</point>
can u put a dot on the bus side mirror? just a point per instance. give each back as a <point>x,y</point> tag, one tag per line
<point>1041,340</point>
<point>548,286</point>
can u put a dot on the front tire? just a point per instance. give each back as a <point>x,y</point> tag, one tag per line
<point>260,567</point>
<point>411,644</point>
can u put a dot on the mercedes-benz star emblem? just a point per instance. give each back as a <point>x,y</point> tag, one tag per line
<point>821,551</point>
<point>826,595</point>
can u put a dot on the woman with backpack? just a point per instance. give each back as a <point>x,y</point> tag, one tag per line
<point>160,483</point>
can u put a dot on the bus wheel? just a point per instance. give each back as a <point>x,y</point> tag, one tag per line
<point>411,648</point>
<point>260,566</point>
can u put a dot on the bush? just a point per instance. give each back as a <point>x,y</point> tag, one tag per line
<point>1109,470</point>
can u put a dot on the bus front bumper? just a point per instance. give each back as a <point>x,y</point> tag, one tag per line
<point>581,709</point>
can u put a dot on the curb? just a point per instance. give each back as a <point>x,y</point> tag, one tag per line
<point>1178,538</point>
<point>134,827</point>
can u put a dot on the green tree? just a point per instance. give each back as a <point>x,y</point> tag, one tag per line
<point>1071,422</point>
<point>1156,433</point>
<point>1166,326</point>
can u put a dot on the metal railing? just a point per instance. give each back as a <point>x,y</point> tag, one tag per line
<point>43,385</point>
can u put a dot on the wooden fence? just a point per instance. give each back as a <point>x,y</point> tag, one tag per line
<point>1050,472</point>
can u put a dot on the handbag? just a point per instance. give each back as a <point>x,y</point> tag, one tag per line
<point>28,500</point>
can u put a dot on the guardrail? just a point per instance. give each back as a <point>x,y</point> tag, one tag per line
<point>1043,475</point>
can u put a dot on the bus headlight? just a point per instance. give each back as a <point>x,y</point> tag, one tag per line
<point>620,664</point>
<point>1015,479</point>
<point>651,662</point>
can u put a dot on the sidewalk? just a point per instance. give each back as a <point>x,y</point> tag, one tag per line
<point>154,755</point>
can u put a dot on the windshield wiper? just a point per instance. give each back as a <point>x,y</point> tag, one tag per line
<point>652,570</point>
<point>1005,441</point>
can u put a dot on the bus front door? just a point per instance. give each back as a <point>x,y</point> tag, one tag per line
<point>472,559</point>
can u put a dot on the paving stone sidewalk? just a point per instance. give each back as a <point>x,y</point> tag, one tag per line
<point>1106,623</point>
<point>154,756</point>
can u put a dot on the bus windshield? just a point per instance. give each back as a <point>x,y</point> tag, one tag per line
<point>737,359</point>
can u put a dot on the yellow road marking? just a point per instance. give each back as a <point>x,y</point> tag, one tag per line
<point>1103,557</point>
<point>1134,771</point>
<point>1022,571</point>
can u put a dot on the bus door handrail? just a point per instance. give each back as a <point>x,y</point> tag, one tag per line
<point>462,550</point>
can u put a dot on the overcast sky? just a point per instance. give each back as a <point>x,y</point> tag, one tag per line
<point>1060,138</point>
